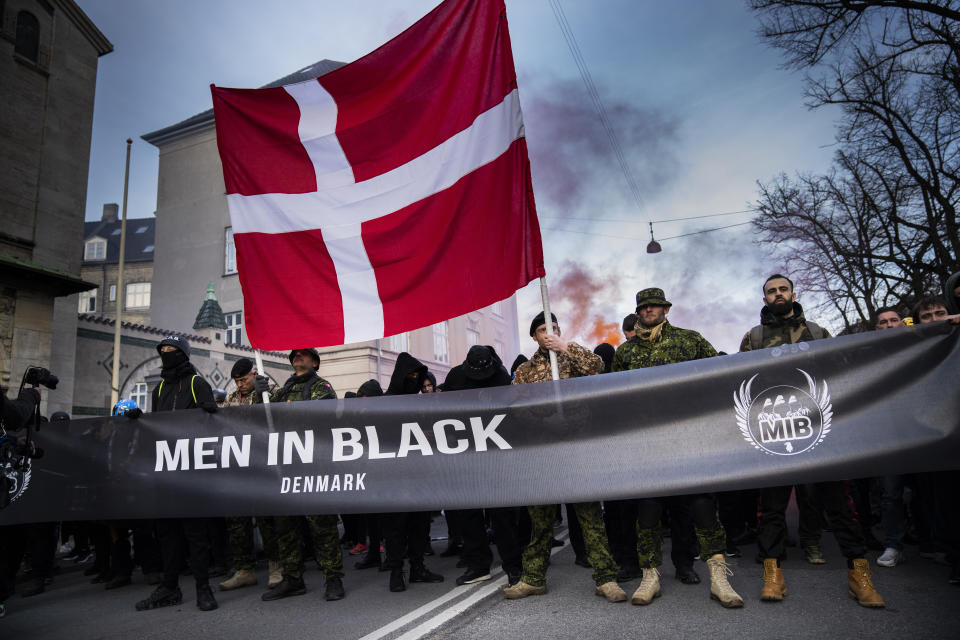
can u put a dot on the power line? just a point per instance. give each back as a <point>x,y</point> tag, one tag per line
<point>622,237</point>
<point>708,215</point>
<point>595,98</point>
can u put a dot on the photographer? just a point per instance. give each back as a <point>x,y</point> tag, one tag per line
<point>16,414</point>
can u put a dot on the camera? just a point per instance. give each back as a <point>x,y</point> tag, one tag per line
<point>36,376</point>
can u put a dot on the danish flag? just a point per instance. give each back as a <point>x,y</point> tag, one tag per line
<point>387,195</point>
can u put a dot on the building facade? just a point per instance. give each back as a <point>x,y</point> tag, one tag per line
<point>194,245</point>
<point>49,51</point>
<point>101,265</point>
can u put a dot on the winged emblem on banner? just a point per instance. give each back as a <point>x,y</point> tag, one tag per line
<point>742,402</point>
<point>822,398</point>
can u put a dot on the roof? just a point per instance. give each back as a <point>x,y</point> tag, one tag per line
<point>141,234</point>
<point>204,120</point>
<point>210,315</point>
<point>59,282</point>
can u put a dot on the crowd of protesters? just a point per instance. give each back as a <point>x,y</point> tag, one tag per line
<point>620,540</point>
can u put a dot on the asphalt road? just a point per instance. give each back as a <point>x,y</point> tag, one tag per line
<point>920,604</point>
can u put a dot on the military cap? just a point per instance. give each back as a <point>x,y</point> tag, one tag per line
<point>653,295</point>
<point>313,353</point>
<point>241,367</point>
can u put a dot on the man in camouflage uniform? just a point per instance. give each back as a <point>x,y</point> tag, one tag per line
<point>655,343</point>
<point>783,322</point>
<point>240,530</point>
<point>305,384</point>
<point>573,361</point>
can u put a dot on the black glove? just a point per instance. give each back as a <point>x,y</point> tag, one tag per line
<point>261,385</point>
<point>209,406</point>
<point>133,414</point>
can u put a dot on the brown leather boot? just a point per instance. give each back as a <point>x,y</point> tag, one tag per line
<point>774,585</point>
<point>861,586</point>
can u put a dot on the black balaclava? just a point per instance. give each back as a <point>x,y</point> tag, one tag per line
<point>172,359</point>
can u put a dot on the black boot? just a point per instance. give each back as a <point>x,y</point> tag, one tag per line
<point>397,582</point>
<point>420,573</point>
<point>288,587</point>
<point>370,559</point>
<point>205,599</point>
<point>161,597</point>
<point>334,590</point>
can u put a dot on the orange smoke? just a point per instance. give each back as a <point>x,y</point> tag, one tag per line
<point>608,332</point>
<point>580,294</point>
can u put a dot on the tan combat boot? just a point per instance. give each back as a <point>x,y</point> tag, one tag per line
<point>720,589</point>
<point>774,585</point>
<point>276,574</point>
<point>649,587</point>
<point>241,578</point>
<point>861,586</point>
<point>522,590</point>
<point>612,592</point>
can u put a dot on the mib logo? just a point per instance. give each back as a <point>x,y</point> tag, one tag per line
<point>16,479</point>
<point>784,420</point>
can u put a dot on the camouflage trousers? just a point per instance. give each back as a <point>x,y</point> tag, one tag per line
<point>240,538</point>
<point>293,531</point>
<point>537,554</point>
<point>703,511</point>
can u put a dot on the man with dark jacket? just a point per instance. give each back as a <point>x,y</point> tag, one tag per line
<point>407,531</point>
<point>783,322</point>
<point>657,342</point>
<point>305,384</point>
<point>180,388</point>
<point>483,369</point>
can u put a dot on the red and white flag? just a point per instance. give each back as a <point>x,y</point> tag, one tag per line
<point>387,195</point>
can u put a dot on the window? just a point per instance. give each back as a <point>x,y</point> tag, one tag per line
<point>116,231</point>
<point>440,350</point>
<point>499,347</point>
<point>400,342</point>
<point>113,292</point>
<point>139,394</point>
<point>148,248</point>
<point>473,337</point>
<point>138,295</point>
<point>28,36</point>
<point>88,301</point>
<point>234,327</point>
<point>497,308</point>
<point>230,253</point>
<point>142,229</point>
<point>96,249</point>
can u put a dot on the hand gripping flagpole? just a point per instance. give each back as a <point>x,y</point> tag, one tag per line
<point>554,369</point>
<point>266,396</point>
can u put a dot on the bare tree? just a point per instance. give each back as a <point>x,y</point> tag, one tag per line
<point>881,227</point>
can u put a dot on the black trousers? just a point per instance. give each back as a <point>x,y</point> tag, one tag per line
<point>576,533</point>
<point>772,536</point>
<point>472,527</point>
<point>738,511</point>
<point>620,520</point>
<point>405,533</point>
<point>178,536</point>
<point>146,546</point>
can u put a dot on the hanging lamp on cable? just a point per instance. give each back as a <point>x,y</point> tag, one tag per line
<point>654,246</point>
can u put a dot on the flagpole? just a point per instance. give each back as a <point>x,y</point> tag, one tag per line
<point>554,369</point>
<point>266,396</point>
<point>115,373</point>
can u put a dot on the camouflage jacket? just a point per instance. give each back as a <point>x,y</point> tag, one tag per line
<point>673,345</point>
<point>777,330</point>
<point>576,362</point>
<point>292,390</point>
<point>236,399</point>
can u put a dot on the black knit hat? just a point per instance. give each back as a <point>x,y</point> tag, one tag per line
<point>176,341</point>
<point>539,320</point>
<point>480,362</point>
<point>241,367</point>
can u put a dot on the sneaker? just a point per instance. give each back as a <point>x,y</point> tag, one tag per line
<point>161,597</point>
<point>732,550</point>
<point>814,554</point>
<point>287,587</point>
<point>472,576</point>
<point>890,557</point>
<point>397,582</point>
<point>205,599</point>
<point>83,559</point>
<point>422,574</point>
<point>687,575</point>
<point>358,549</point>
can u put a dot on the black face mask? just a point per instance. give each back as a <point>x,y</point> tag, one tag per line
<point>411,385</point>
<point>173,359</point>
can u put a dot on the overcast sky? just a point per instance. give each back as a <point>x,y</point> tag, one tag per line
<point>700,106</point>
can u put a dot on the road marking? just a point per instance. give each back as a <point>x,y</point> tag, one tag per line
<point>480,591</point>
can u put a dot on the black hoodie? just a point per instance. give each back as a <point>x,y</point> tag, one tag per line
<point>406,364</point>
<point>370,389</point>
<point>457,379</point>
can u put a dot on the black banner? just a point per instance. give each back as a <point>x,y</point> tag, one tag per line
<point>856,406</point>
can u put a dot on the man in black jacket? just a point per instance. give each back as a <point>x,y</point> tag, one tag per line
<point>482,369</point>
<point>181,387</point>
<point>408,531</point>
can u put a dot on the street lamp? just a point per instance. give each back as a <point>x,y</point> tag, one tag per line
<point>654,246</point>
